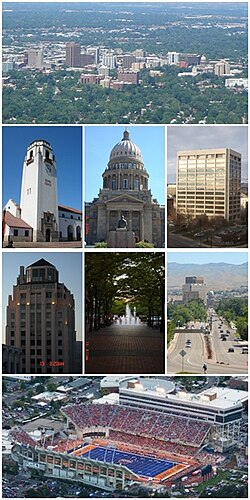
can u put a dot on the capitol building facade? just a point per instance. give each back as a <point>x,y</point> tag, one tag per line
<point>125,194</point>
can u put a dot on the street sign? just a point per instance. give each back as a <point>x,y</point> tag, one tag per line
<point>182,353</point>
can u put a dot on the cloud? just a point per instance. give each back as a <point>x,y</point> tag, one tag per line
<point>202,137</point>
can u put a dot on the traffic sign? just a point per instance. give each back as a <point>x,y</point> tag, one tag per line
<point>182,353</point>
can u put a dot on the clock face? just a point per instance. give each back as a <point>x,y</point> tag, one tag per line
<point>48,169</point>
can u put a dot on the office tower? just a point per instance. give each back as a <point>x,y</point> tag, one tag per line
<point>222,68</point>
<point>173,58</point>
<point>194,289</point>
<point>128,60</point>
<point>128,76</point>
<point>35,58</point>
<point>41,320</point>
<point>73,55</point>
<point>109,60</point>
<point>208,183</point>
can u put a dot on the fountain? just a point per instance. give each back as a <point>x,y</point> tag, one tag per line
<point>128,318</point>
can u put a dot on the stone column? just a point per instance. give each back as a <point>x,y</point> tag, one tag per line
<point>141,226</point>
<point>130,220</point>
<point>107,226</point>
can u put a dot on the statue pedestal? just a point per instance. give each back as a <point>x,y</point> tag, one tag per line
<point>121,238</point>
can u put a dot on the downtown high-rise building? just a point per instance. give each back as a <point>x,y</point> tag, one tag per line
<point>194,289</point>
<point>209,183</point>
<point>41,321</point>
<point>35,58</point>
<point>73,55</point>
<point>222,68</point>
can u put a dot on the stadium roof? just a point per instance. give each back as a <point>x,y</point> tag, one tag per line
<point>152,386</point>
<point>214,397</point>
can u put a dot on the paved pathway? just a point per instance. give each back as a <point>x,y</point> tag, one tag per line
<point>43,244</point>
<point>126,349</point>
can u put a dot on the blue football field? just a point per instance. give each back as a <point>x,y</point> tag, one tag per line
<point>141,465</point>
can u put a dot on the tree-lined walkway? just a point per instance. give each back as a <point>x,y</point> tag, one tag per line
<point>125,349</point>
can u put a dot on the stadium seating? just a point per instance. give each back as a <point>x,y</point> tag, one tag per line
<point>138,424</point>
<point>22,437</point>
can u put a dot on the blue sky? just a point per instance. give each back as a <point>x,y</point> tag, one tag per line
<point>68,264</point>
<point>67,146</point>
<point>207,257</point>
<point>99,140</point>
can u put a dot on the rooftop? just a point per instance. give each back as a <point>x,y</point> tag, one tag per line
<point>13,221</point>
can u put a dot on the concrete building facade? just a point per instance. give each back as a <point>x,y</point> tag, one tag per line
<point>73,55</point>
<point>41,320</point>
<point>194,289</point>
<point>35,58</point>
<point>222,68</point>
<point>125,192</point>
<point>39,203</point>
<point>209,183</point>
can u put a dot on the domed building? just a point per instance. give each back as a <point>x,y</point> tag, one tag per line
<point>125,196</point>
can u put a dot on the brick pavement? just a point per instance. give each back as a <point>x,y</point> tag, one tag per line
<point>126,349</point>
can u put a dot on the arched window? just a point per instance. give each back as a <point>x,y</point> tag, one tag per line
<point>46,154</point>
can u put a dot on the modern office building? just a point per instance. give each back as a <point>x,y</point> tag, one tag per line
<point>73,55</point>
<point>173,58</point>
<point>209,183</point>
<point>41,321</point>
<point>125,192</point>
<point>194,289</point>
<point>35,58</point>
<point>128,76</point>
<point>222,68</point>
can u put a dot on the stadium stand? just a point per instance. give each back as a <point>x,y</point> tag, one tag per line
<point>135,425</point>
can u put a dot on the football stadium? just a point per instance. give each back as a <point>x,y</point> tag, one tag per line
<point>112,446</point>
<point>151,437</point>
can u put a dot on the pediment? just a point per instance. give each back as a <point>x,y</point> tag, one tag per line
<point>124,198</point>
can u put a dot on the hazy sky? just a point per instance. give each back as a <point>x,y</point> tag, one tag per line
<point>99,141</point>
<point>215,136</point>
<point>69,265</point>
<point>207,257</point>
<point>66,143</point>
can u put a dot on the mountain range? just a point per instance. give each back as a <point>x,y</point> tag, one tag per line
<point>217,276</point>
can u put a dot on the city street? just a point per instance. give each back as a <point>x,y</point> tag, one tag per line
<point>126,349</point>
<point>178,241</point>
<point>222,362</point>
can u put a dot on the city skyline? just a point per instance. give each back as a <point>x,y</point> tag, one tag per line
<point>66,143</point>
<point>181,63</point>
<point>68,264</point>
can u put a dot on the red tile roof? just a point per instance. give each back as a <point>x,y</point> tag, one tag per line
<point>13,221</point>
<point>69,209</point>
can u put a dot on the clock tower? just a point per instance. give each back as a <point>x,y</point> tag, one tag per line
<point>39,200</point>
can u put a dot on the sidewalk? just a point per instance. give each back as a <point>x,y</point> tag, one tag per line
<point>126,349</point>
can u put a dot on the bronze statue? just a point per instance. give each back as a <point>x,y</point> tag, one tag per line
<point>122,223</point>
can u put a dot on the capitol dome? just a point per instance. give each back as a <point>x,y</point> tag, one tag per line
<point>125,169</point>
<point>126,149</point>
